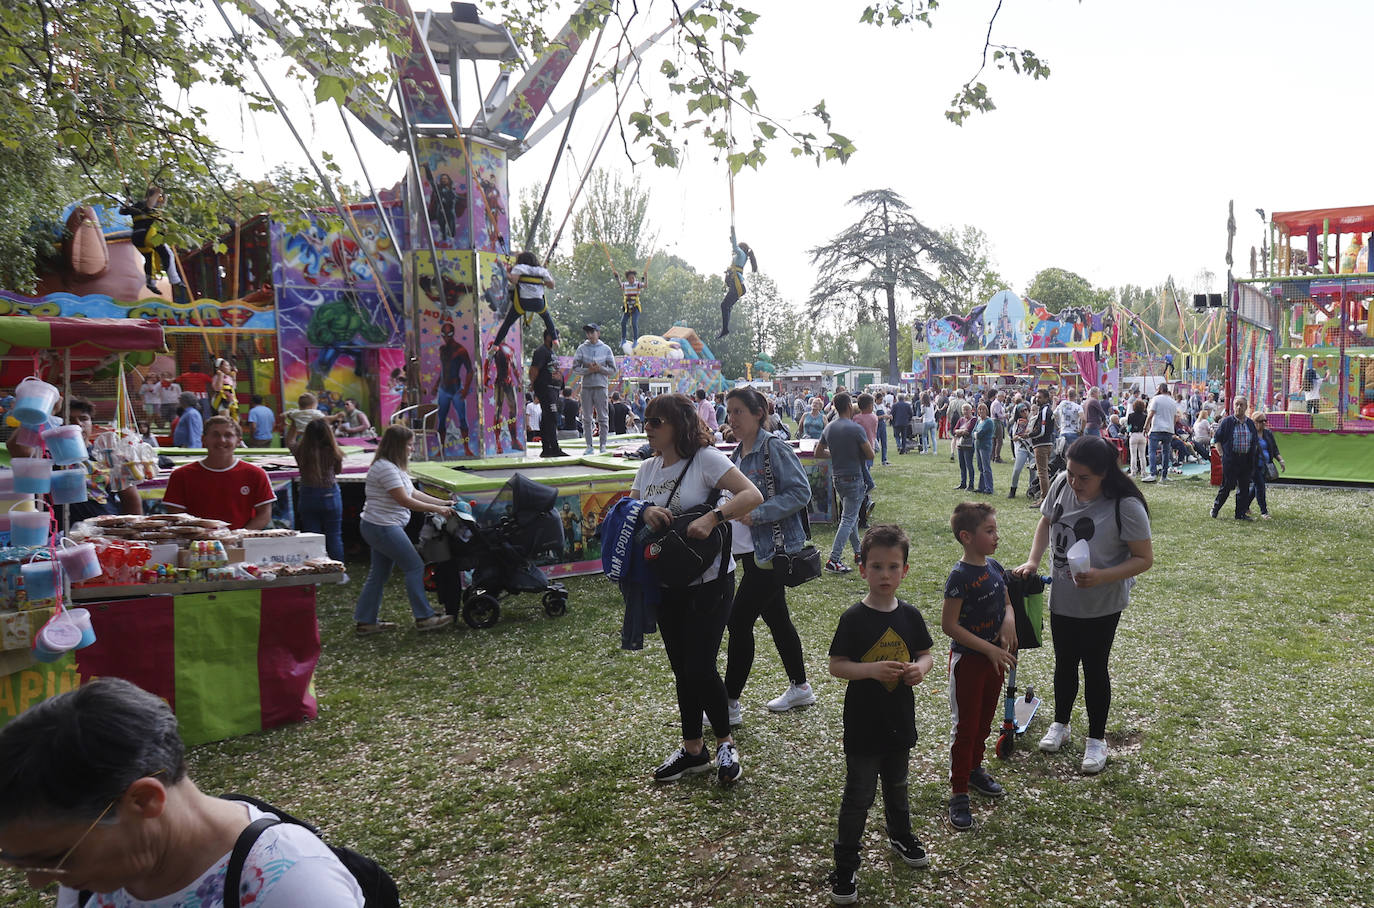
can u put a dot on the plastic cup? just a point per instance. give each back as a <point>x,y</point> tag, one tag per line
<point>32,475</point>
<point>58,636</point>
<point>66,446</point>
<point>78,560</point>
<point>82,619</point>
<point>29,528</point>
<point>69,486</point>
<point>33,402</point>
<point>41,580</point>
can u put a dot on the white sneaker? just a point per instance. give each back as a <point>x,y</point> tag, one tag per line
<point>1055,738</point>
<point>736,713</point>
<point>795,695</point>
<point>1149,477</point>
<point>1094,756</point>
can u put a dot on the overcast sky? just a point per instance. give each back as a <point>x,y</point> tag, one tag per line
<point>1118,167</point>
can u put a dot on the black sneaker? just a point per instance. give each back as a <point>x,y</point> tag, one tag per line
<point>837,567</point>
<point>1244,517</point>
<point>844,888</point>
<point>960,816</point>
<point>984,784</point>
<point>728,766</point>
<point>910,850</point>
<point>681,763</point>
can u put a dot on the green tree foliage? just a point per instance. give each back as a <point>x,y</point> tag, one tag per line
<point>979,281</point>
<point>886,250</point>
<point>106,94</point>
<point>110,93</point>
<point>1056,289</point>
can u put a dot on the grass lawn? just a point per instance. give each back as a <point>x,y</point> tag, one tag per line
<point>511,766</point>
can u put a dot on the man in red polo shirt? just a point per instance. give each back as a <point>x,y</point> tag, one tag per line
<point>221,486</point>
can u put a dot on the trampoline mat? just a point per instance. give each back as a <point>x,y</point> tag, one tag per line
<point>548,472</point>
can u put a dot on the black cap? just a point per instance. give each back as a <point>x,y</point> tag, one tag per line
<point>591,326</point>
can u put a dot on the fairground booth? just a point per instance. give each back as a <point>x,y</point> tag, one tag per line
<point>1299,345</point>
<point>1011,341</point>
<point>219,622</point>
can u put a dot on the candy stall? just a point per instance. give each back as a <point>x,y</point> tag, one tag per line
<point>219,622</point>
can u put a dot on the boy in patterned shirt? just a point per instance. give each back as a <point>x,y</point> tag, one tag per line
<point>978,618</point>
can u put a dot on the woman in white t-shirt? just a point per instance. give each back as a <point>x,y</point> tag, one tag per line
<point>692,618</point>
<point>391,496</point>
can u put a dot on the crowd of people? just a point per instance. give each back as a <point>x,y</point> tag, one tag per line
<point>882,645</point>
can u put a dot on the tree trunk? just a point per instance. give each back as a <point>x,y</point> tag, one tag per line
<point>893,371</point>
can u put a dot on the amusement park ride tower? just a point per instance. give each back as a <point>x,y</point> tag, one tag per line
<point>457,212</point>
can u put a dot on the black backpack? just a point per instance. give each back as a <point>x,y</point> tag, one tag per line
<point>379,890</point>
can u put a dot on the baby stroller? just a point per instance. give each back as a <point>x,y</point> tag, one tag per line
<point>502,547</point>
<point>1058,464</point>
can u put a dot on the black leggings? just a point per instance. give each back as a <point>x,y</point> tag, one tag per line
<point>691,620</point>
<point>760,594</point>
<point>1087,641</point>
<point>513,315</point>
<point>734,289</point>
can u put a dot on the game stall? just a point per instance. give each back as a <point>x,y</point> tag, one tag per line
<point>1299,344</point>
<point>219,622</point>
<point>1014,341</point>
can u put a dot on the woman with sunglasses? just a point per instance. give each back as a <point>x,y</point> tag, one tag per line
<point>94,795</point>
<point>684,472</point>
<point>770,464</point>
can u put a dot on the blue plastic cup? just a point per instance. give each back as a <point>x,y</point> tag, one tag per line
<point>66,445</point>
<point>69,486</point>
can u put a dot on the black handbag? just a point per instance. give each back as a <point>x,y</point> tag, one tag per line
<point>798,567</point>
<point>677,559</point>
<point>1271,471</point>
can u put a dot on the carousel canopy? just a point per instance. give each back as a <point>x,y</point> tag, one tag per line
<point>83,338</point>
<point>1342,220</point>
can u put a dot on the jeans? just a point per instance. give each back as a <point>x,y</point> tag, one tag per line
<point>984,456</point>
<point>760,594</point>
<point>631,320</point>
<point>1069,438</point>
<point>390,546</point>
<point>1159,453</point>
<point>1258,483</point>
<point>928,436</point>
<point>862,772</point>
<point>1087,641</point>
<point>850,490</point>
<point>320,510</point>
<point>1023,454</point>
<point>966,475</point>
<point>882,439</point>
<point>691,620</point>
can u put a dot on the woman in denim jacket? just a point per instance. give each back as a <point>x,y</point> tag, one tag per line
<point>760,593</point>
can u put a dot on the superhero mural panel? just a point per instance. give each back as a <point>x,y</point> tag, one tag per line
<point>490,217</point>
<point>325,339</point>
<point>443,180</point>
<point>325,254</point>
<point>503,370</point>
<point>448,336</point>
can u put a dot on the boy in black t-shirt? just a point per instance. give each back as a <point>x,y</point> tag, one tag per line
<point>978,618</point>
<point>882,648</point>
